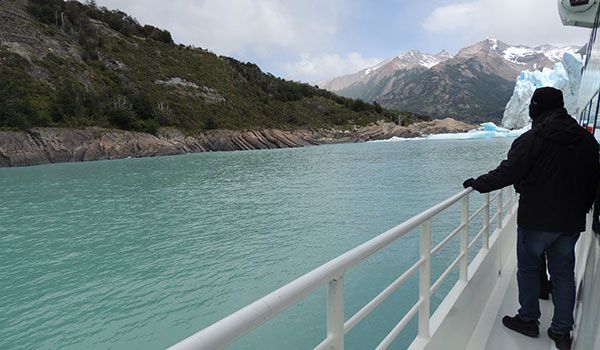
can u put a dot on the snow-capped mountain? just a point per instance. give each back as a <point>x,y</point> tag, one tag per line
<point>565,75</point>
<point>510,60</point>
<point>474,85</point>
<point>412,59</point>
<point>522,55</point>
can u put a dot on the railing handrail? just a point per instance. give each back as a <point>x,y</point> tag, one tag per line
<point>228,329</point>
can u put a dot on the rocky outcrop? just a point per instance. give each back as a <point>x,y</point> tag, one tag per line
<point>54,145</point>
<point>441,126</point>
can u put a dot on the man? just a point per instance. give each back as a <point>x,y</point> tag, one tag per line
<point>555,169</point>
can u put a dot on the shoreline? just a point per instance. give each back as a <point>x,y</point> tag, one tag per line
<point>60,145</point>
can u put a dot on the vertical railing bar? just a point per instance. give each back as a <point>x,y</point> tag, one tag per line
<point>485,244</point>
<point>464,237</point>
<point>515,199</point>
<point>335,313</point>
<point>499,218</point>
<point>511,198</point>
<point>425,279</point>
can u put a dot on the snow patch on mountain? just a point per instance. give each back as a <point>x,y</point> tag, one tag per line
<point>565,75</point>
<point>557,54</point>
<point>409,59</point>
<point>414,58</point>
<point>494,43</point>
<point>374,68</point>
<point>516,54</point>
<point>513,54</point>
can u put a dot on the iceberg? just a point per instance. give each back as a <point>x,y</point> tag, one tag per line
<point>565,75</point>
<point>485,131</point>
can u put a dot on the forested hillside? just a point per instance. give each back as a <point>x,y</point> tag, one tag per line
<point>75,65</point>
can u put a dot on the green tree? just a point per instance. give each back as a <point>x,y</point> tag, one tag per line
<point>210,123</point>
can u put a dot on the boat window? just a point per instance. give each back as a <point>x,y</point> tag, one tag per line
<point>579,2</point>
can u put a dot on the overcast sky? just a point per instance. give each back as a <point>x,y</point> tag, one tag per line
<point>313,40</point>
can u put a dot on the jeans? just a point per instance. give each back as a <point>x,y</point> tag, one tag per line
<point>560,251</point>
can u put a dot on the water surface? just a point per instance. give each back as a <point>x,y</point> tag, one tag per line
<point>141,253</point>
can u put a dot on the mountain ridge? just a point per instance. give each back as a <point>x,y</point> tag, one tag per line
<point>408,60</point>
<point>474,85</point>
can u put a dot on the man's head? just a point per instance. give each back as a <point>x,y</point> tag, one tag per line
<point>545,99</point>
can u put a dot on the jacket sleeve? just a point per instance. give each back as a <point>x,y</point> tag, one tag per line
<point>511,170</point>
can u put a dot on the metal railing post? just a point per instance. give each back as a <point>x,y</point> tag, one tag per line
<point>335,313</point>
<point>464,237</point>
<point>425,279</point>
<point>485,243</point>
<point>499,218</point>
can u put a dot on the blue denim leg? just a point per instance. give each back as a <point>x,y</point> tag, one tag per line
<point>530,247</point>
<point>560,252</point>
<point>561,264</point>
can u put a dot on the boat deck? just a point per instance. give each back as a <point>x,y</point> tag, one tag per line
<point>502,338</point>
<point>490,333</point>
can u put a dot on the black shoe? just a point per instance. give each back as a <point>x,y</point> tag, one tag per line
<point>529,328</point>
<point>562,341</point>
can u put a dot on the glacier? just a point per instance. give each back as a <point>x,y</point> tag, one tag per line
<point>565,75</point>
<point>485,131</point>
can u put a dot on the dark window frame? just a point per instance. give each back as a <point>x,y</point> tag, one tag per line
<point>592,41</point>
<point>597,96</point>
<point>579,2</point>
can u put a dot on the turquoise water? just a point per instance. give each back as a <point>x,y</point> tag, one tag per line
<point>141,253</point>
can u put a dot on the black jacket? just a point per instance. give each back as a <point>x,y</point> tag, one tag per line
<point>555,168</point>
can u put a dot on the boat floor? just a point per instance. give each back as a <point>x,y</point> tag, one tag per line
<point>503,338</point>
<point>490,333</point>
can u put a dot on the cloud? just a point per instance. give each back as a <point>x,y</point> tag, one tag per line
<point>234,27</point>
<point>530,22</point>
<point>308,40</point>
<point>326,66</point>
<point>451,17</point>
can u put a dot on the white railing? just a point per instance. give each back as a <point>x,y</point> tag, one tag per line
<point>227,330</point>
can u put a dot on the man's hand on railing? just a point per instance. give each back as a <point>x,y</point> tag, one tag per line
<point>468,183</point>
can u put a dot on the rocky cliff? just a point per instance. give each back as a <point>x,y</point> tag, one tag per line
<point>54,145</point>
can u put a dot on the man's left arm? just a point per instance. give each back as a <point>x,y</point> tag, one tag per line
<point>510,171</point>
